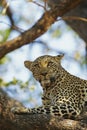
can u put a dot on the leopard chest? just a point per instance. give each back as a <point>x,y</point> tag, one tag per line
<point>62,95</point>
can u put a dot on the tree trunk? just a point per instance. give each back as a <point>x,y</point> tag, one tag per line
<point>79,26</point>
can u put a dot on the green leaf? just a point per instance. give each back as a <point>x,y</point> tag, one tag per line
<point>4,35</point>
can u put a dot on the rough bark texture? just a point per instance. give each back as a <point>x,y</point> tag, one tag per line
<point>9,121</point>
<point>79,26</point>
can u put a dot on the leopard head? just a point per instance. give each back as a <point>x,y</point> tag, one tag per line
<point>45,69</point>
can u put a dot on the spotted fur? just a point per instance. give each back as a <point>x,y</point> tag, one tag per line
<point>64,95</point>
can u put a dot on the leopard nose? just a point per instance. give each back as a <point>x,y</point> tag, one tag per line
<point>44,73</point>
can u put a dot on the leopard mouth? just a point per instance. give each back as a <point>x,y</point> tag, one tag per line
<point>45,83</point>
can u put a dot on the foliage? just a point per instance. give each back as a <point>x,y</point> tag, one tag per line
<point>13,82</point>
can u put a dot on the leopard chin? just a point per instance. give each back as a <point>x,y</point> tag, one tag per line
<point>45,83</point>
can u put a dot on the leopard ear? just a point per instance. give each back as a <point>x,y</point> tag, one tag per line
<point>27,64</point>
<point>59,57</point>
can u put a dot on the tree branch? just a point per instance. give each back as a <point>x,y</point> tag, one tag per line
<point>11,121</point>
<point>42,25</point>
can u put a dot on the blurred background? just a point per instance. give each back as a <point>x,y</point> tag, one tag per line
<point>15,79</point>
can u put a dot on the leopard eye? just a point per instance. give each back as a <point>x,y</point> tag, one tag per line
<point>50,63</point>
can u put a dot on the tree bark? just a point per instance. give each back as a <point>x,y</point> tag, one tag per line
<point>10,121</point>
<point>79,26</point>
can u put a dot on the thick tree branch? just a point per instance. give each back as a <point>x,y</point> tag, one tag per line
<point>9,121</point>
<point>79,26</point>
<point>48,18</point>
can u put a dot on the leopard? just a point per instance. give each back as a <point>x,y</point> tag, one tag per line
<point>64,95</point>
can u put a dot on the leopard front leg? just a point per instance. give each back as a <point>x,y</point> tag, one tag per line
<point>59,110</point>
<point>24,110</point>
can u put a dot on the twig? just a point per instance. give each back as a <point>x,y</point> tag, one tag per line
<point>73,18</point>
<point>14,27</point>
<point>44,7</point>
